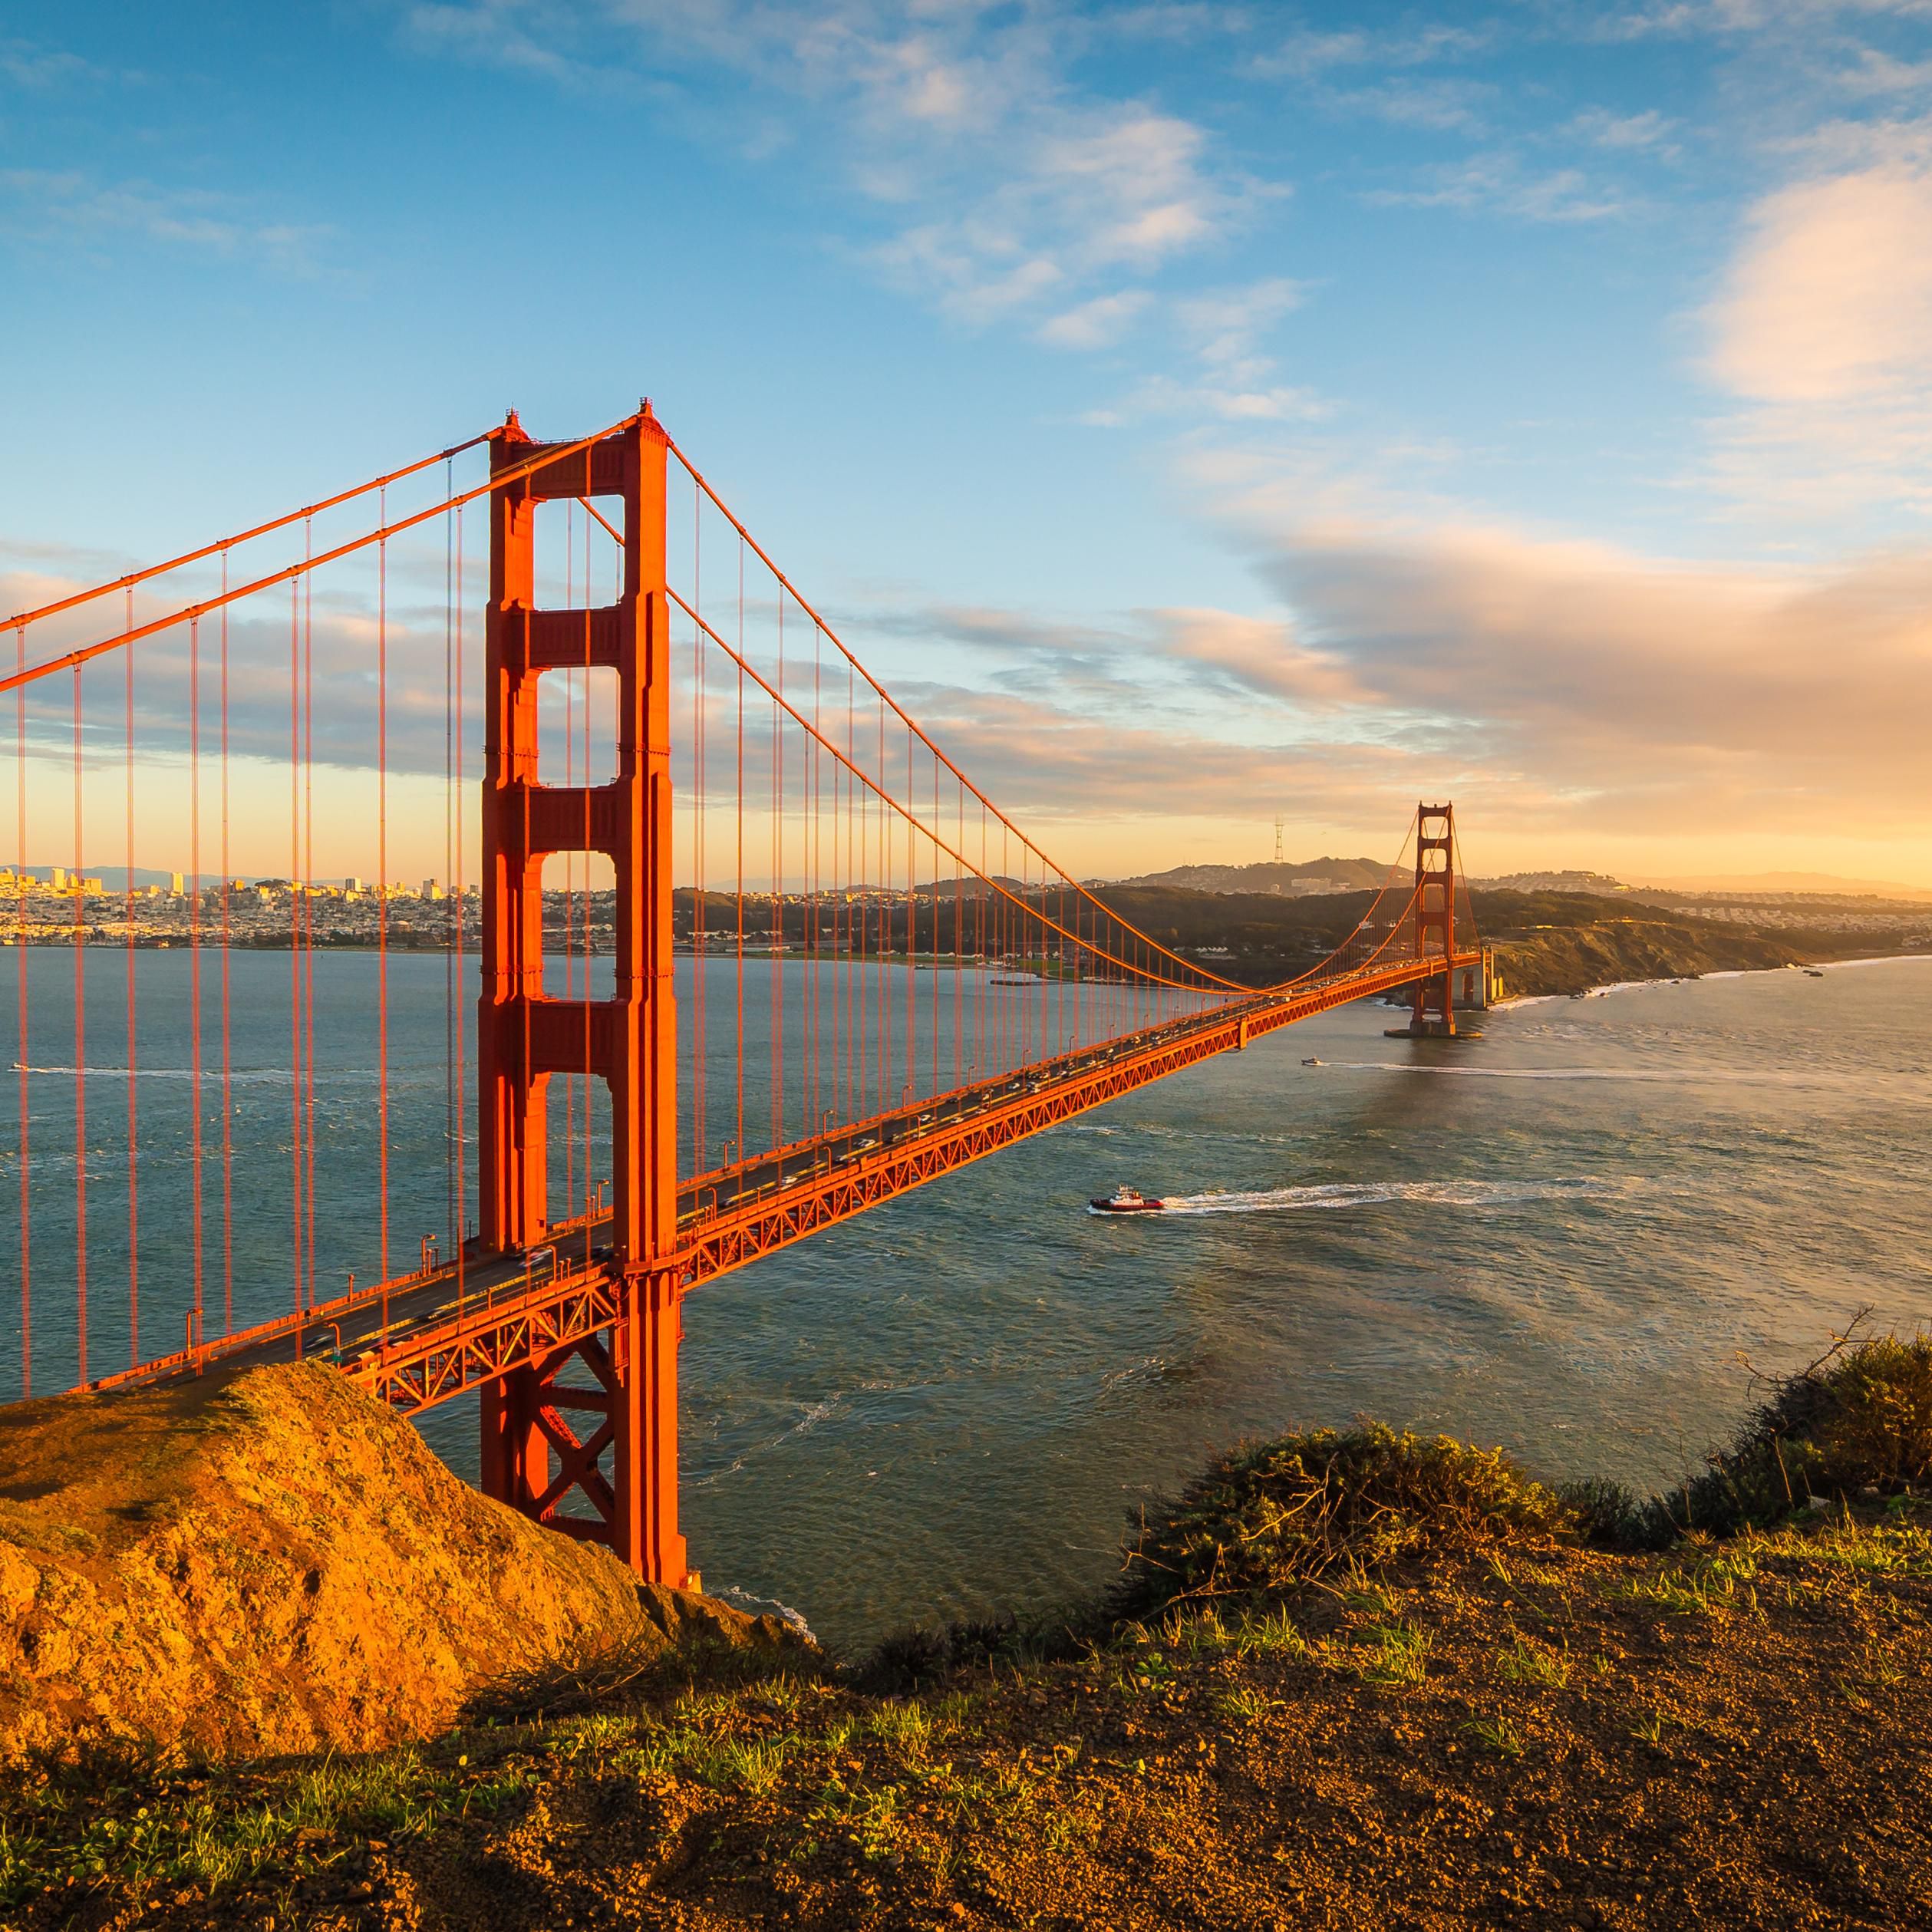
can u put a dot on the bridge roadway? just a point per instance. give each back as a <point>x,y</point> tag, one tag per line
<point>421,1339</point>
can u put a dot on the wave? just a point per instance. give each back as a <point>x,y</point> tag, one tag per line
<point>1334,1195</point>
<point>759,1605</point>
<point>815,1413</point>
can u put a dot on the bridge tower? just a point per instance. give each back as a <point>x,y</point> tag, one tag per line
<point>622,1386</point>
<point>1435,1002</point>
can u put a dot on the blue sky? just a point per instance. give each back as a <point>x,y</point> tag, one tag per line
<point>1199,412</point>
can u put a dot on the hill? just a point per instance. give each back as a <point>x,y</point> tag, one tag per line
<point>1313,874</point>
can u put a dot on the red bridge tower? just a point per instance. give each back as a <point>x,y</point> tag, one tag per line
<point>534,1456</point>
<point>1434,1008</point>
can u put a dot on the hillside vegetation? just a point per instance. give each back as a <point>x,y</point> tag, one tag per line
<point>1349,1679</point>
<point>1567,942</point>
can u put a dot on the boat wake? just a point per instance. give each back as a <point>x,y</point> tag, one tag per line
<point>1336,1195</point>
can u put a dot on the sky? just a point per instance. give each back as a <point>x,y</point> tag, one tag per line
<point>1197,414</point>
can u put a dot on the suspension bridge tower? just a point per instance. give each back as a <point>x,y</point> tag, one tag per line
<point>1434,1002</point>
<point>548,1428</point>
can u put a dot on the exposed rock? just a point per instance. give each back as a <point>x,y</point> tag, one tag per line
<point>273,1562</point>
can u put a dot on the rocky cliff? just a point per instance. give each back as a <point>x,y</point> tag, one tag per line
<point>272,1562</point>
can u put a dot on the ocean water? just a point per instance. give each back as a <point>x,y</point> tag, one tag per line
<point>1576,1238</point>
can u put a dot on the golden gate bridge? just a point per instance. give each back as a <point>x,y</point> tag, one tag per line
<point>870,976</point>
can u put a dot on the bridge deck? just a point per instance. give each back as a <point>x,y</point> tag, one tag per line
<point>423,1338</point>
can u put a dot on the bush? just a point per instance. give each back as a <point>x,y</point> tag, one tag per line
<point>1858,1419</point>
<point>1273,1518</point>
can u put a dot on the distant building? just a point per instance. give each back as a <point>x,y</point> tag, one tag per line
<point>431,890</point>
<point>175,882</point>
<point>352,884</point>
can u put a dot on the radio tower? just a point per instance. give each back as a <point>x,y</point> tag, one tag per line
<point>1278,824</point>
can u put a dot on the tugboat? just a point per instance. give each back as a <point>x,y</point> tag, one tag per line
<point>1124,1200</point>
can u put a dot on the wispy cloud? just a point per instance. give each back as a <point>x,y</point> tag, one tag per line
<point>1095,325</point>
<point>1011,190</point>
<point>69,206</point>
<point>1221,332</point>
<point>1649,132</point>
<point>1312,54</point>
<point>1497,183</point>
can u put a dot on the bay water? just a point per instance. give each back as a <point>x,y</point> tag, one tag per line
<point>1577,1237</point>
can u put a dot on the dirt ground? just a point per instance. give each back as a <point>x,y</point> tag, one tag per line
<point>1734,1734</point>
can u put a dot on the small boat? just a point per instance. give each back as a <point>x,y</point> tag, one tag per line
<point>1126,1201</point>
<point>1812,972</point>
<point>1311,1063</point>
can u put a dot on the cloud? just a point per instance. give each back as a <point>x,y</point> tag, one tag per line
<point>1095,325</point>
<point>1822,330</point>
<point>66,205</point>
<point>1257,656</point>
<point>1829,297</point>
<point>1499,183</point>
<point>28,65</point>
<point>1877,73</point>
<point>1623,691</point>
<point>1164,396</point>
<point>1648,131</point>
<point>1010,187</point>
<point>1443,106</point>
<point>1308,53</point>
<point>1225,325</point>
<point>1222,330</point>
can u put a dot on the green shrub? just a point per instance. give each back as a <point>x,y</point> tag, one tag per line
<point>1859,1420</point>
<point>1272,1519</point>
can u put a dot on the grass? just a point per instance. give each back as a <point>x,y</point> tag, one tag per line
<point>221,1829</point>
<point>1714,1586</point>
<point>1498,1734</point>
<point>1530,1664</point>
<point>1393,1654</point>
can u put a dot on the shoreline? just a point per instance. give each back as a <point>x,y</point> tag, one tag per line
<point>1690,979</point>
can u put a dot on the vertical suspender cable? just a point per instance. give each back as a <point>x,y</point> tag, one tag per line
<point>700,1059</point>
<point>194,966</point>
<point>228,1098</point>
<point>382,887</point>
<point>740,1149</point>
<point>24,1059</point>
<point>569,680</point>
<point>80,1040</point>
<point>308,884</point>
<point>133,1123</point>
<point>294,939</point>
<point>452,1238</point>
<point>463,985</point>
<point>778,903</point>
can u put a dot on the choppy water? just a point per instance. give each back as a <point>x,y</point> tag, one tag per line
<point>1560,1238</point>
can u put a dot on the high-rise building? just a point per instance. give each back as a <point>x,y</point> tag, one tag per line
<point>431,890</point>
<point>175,882</point>
<point>352,884</point>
